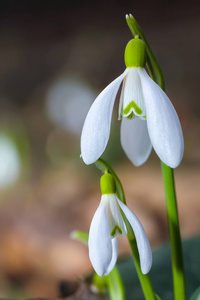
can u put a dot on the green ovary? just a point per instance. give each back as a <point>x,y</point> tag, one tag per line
<point>133,105</point>
<point>116,229</point>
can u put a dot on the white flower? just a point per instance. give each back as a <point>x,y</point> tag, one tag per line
<point>148,119</point>
<point>106,224</point>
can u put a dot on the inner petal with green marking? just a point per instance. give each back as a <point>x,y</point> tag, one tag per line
<point>116,230</point>
<point>132,99</point>
<point>132,107</point>
<point>116,222</point>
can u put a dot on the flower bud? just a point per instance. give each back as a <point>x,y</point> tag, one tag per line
<point>135,53</point>
<point>107,184</point>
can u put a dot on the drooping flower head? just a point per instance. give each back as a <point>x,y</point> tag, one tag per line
<point>106,224</point>
<point>148,116</point>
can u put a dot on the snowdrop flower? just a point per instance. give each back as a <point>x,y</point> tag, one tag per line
<point>148,116</point>
<point>106,224</point>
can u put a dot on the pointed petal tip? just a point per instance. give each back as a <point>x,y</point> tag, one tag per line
<point>101,273</point>
<point>138,164</point>
<point>146,267</point>
<point>173,161</point>
<point>86,160</point>
<point>172,165</point>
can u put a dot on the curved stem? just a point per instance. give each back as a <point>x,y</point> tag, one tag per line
<point>144,279</point>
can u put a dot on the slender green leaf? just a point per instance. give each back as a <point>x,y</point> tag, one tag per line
<point>115,285</point>
<point>99,284</point>
<point>80,236</point>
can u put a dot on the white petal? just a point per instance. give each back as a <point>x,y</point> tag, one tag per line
<point>116,222</point>
<point>114,256</point>
<point>163,123</point>
<point>132,97</point>
<point>96,129</point>
<point>121,99</point>
<point>135,140</point>
<point>99,243</point>
<point>143,245</point>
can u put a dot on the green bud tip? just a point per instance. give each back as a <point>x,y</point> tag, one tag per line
<point>107,184</point>
<point>135,53</point>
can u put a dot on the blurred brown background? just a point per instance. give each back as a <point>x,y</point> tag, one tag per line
<point>55,57</point>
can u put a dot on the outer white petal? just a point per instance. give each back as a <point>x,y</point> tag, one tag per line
<point>143,245</point>
<point>135,140</point>
<point>121,99</point>
<point>96,129</point>
<point>99,243</point>
<point>163,123</point>
<point>114,256</point>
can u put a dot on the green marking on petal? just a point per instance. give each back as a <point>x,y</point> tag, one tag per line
<point>130,116</point>
<point>115,230</point>
<point>133,105</point>
<point>144,117</point>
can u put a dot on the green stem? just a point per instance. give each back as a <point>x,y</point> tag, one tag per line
<point>144,279</point>
<point>174,231</point>
<point>168,178</point>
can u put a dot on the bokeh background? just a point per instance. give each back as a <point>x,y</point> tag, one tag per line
<point>55,57</point>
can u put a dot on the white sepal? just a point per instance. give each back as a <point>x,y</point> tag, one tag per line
<point>135,140</point>
<point>99,243</point>
<point>114,256</point>
<point>96,129</point>
<point>143,245</point>
<point>162,121</point>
